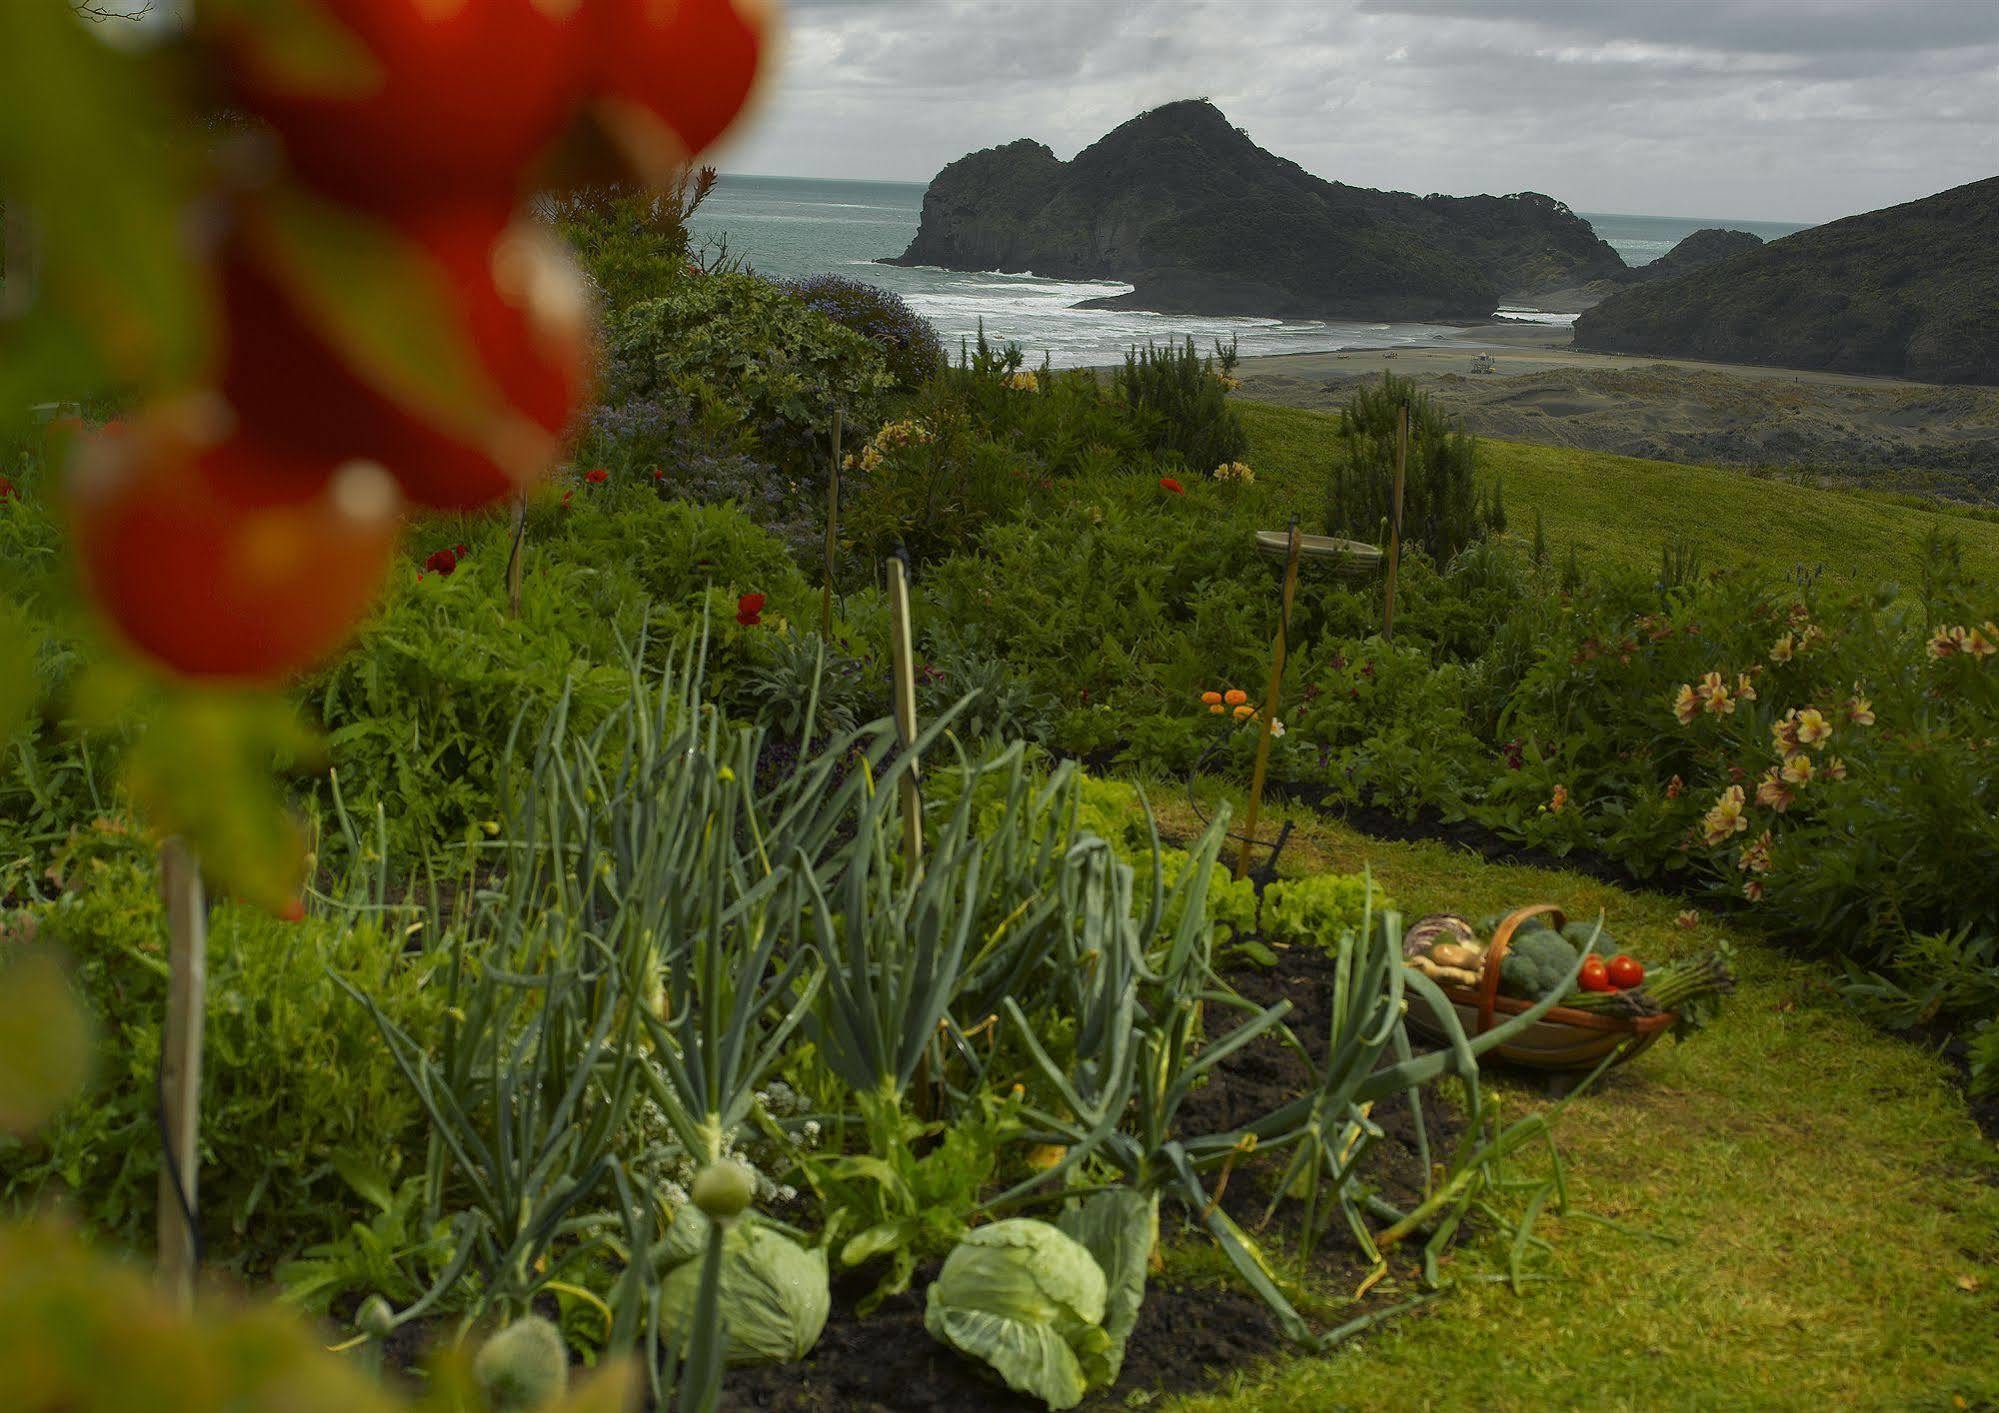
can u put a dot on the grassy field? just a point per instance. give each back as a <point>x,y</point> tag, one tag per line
<point>1824,1214</point>
<point>1619,509</point>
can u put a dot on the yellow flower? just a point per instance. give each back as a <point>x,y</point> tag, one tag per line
<point>1235,696</point>
<point>1755,858</point>
<point>1813,729</point>
<point>1688,920</point>
<point>1685,705</point>
<point>1715,700</point>
<point>1946,642</point>
<point>1745,689</point>
<point>1236,472</point>
<point>1023,381</point>
<point>1784,733</point>
<point>1783,648</point>
<point>1810,638</point>
<point>1833,769</point>
<point>1982,641</point>
<point>1798,770</point>
<point>1725,819</point>
<point>1860,711</point>
<point>1043,1156</point>
<point>1772,791</point>
<point>1753,890</point>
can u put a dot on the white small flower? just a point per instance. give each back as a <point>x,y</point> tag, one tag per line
<point>1276,727</point>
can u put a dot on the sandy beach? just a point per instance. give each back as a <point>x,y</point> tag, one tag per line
<point>1542,390</point>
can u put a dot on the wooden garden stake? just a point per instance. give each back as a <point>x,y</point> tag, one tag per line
<point>905,708</point>
<point>1395,519</point>
<point>832,533</point>
<point>1269,709</point>
<point>180,1068</point>
<point>514,555</point>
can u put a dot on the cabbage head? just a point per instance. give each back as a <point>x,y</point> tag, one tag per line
<point>1029,1301</point>
<point>775,1296</point>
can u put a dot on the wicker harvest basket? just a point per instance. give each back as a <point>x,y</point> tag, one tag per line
<point>1348,557</point>
<point>1563,1039</point>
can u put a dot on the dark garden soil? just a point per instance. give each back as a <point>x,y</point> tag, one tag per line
<point>1185,1336</point>
<point>886,1363</point>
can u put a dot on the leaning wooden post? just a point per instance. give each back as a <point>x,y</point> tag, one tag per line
<point>180,1069</point>
<point>832,534</point>
<point>1395,519</point>
<point>514,554</point>
<point>1269,708</point>
<point>905,708</point>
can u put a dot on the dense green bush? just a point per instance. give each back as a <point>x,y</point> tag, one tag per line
<point>632,242</point>
<point>744,354</point>
<point>909,345</point>
<point>1187,396</point>
<point>1440,504</point>
<point>296,1087</point>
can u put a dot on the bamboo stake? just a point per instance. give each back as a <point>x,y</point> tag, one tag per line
<point>1269,708</point>
<point>180,1069</point>
<point>832,534</point>
<point>514,555</point>
<point>1395,519</point>
<point>905,708</point>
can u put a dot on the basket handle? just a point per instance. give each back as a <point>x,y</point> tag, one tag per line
<point>1495,953</point>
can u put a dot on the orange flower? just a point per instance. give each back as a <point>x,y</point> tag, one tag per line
<point>1217,709</point>
<point>1244,711</point>
<point>1235,696</point>
<point>1675,788</point>
<point>1210,698</point>
<point>1557,800</point>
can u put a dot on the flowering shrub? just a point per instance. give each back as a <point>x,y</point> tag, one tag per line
<point>909,346</point>
<point>1235,473</point>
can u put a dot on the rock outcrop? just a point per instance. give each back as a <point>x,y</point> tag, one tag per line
<point>1201,220</point>
<point>1908,291</point>
<point>1703,247</point>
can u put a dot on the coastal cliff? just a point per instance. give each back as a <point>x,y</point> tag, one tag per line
<point>1907,291</point>
<point>1200,220</point>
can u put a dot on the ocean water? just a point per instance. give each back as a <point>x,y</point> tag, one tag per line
<point>787,227</point>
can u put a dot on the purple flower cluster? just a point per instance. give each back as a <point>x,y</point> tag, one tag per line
<point>909,345</point>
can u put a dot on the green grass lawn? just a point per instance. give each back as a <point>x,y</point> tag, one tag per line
<point>1619,509</point>
<point>1831,1213</point>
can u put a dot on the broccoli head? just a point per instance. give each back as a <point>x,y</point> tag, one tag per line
<point>1538,962</point>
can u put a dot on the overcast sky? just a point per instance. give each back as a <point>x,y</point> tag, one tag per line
<point>1798,110</point>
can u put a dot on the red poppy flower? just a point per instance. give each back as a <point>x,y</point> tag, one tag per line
<point>565,497</point>
<point>657,474</point>
<point>441,562</point>
<point>6,489</point>
<point>750,610</point>
<point>1167,483</point>
<point>459,550</point>
<point>597,477</point>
